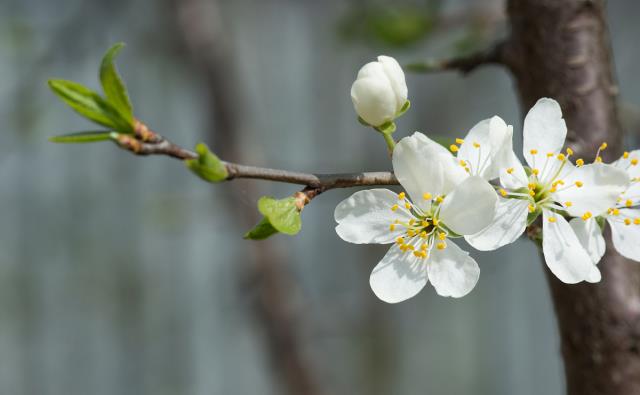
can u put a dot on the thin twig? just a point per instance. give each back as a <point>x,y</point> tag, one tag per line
<point>464,64</point>
<point>320,182</point>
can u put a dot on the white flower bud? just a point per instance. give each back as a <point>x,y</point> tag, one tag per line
<point>379,91</point>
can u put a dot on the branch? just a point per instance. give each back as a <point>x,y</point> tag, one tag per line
<point>464,64</point>
<point>153,144</point>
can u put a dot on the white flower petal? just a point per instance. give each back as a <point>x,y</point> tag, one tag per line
<point>509,222</point>
<point>416,165</point>
<point>544,130</point>
<point>453,173</point>
<point>486,147</point>
<point>372,70</point>
<point>563,252</point>
<point>399,276</point>
<point>452,271</point>
<point>626,238</point>
<point>601,185</point>
<point>365,217</point>
<point>396,77</point>
<point>470,207</point>
<point>374,100</point>
<point>517,178</point>
<point>590,236</point>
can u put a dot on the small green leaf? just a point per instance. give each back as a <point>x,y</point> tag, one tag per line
<point>261,231</point>
<point>207,166</point>
<point>82,137</point>
<point>404,108</point>
<point>90,105</point>
<point>387,127</point>
<point>113,86</point>
<point>283,214</point>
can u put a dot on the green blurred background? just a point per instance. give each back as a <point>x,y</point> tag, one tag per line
<point>123,275</point>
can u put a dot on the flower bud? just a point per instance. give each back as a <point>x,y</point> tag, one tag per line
<point>379,92</point>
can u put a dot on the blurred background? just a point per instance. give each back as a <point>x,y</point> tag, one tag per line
<point>127,275</point>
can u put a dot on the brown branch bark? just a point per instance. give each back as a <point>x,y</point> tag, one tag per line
<point>560,49</point>
<point>493,55</point>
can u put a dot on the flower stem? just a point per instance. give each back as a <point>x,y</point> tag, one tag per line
<point>391,143</point>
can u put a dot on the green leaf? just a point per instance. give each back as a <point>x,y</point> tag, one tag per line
<point>90,105</point>
<point>113,86</point>
<point>387,127</point>
<point>82,137</point>
<point>261,231</point>
<point>404,108</point>
<point>207,166</point>
<point>283,214</point>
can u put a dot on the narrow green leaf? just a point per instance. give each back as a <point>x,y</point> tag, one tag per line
<point>404,108</point>
<point>387,127</point>
<point>90,105</point>
<point>207,166</point>
<point>82,137</point>
<point>261,231</point>
<point>112,84</point>
<point>283,214</point>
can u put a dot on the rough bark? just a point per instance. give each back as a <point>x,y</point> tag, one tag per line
<point>560,49</point>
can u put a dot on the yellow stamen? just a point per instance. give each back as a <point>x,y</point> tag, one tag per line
<point>442,236</point>
<point>598,159</point>
<point>549,154</point>
<point>392,227</point>
<point>586,215</point>
<point>503,192</point>
<point>394,207</point>
<point>636,221</point>
<point>454,148</point>
<point>580,162</point>
<point>411,233</point>
<point>568,204</point>
<point>603,146</point>
<point>628,203</point>
<point>423,235</point>
<point>561,157</point>
<point>412,221</point>
<point>424,224</point>
<point>402,195</point>
<point>615,212</point>
<point>459,141</point>
<point>533,151</point>
<point>476,145</point>
<point>441,245</point>
<point>579,184</point>
<point>435,221</point>
<point>552,219</point>
<point>535,172</point>
<point>439,199</point>
<point>400,240</point>
<point>627,221</point>
<point>407,205</point>
<point>426,196</point>
<point>532,193</point>
<point>634,162</point>
<point>510,170</point>
<point>532,208</point>
<point>625,155</point>
<point>569,151</point>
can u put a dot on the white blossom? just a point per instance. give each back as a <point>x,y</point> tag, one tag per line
<point>441,201</point>
<point>379,92</point>
<point>553,186</point>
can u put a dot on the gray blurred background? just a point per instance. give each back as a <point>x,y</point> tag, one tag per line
<point>127,275</point>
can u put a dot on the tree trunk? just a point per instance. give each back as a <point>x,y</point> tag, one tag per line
<point>560,49</point>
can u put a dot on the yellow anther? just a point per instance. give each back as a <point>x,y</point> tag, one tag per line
<point>435,221</point>
<point>454,148</point>
<point>510,170</point>
<point>442,236</point>
<point>634,162</point>
<point>559,182</point>
<point>424,224</point>
<point>552,189</point>
<point>463,163</point>
<point>561,157</point>
<point>439,199</point>
<point>569,151</point>
<point>412,221</point>
<point>423,254</point>
<point>535,172</point>
<point>603,146</point>
<point>552,219</point>
<point>467,170</point>
<point>423,247</point>
<point>403,247</point>
<point>531,185</point>
<point>532,192</point>
<point>628,203</point>
<point>636,221</point>
<point>579,184</point>
<point>598,159</point>
<point>459,141</point>
<point>394,207</point>
<point>586,215</point>
<point>615,212</point>
<point>411,232</point>
<point>532,208</point>
<point>426,196</point>
<point>423,234</point>
<point>627,221</point>
<point>580,162</point>
<point>625,155</point>
<point>407,205</point>
<point>417,253</point>
<point>568,204</point>
<point>441,245</point>
<point>534,151</point>
<point>503,192</point>
<point>476,145</point>
<point>402,195</point>
<point>550,154</point>
<point>392,227</point>
<point>400,240</point>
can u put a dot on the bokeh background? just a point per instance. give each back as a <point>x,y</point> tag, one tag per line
<point>127,275</point>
